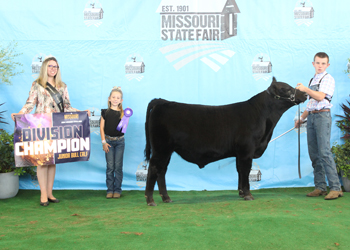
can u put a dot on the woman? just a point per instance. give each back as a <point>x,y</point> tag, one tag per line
<point>40,97</point>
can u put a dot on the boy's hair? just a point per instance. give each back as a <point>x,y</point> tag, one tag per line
<point>42,79</point>
<point>322,55</point>
<point>119,90</point>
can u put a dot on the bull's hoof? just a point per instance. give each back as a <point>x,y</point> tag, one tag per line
<point>249,198</point>
<point>150,201</point>
<point>152,204</point>
<point>167,200</point>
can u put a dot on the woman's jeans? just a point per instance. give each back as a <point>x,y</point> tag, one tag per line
<point>318,139</point>
<point>114,172</point>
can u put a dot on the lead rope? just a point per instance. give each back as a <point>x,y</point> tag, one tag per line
<point>299,142</point>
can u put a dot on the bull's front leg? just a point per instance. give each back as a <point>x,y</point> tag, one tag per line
<point>240,190</point>
<point>243,168</point>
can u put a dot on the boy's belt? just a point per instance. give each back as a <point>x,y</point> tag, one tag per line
<point>318,111</point>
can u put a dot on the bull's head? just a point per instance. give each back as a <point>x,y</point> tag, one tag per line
<point>282,90</point>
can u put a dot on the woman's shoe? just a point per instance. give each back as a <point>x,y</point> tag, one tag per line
<point>54,201</point>
<point>44,204</point>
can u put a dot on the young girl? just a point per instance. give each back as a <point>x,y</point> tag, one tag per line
<point>113,142</point>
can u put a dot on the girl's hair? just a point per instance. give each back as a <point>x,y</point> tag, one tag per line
<point>42,79</point>
<point>119,90</point>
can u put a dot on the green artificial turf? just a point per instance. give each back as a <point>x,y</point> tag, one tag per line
<point>276,219</point>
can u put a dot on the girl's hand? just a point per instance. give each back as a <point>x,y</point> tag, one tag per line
<point>88,111</point>
<point>13,115</point>
<point>106,147</point>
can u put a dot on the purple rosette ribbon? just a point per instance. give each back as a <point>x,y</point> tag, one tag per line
<point>125,120</point>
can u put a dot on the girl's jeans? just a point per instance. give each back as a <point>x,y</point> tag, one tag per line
<point>114,172</point>
<point>318,139</point>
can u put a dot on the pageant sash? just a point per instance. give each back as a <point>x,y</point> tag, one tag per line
<point>56,96</point>
<point>125,120</point>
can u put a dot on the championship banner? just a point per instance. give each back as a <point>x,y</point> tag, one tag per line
<point>45,139</point>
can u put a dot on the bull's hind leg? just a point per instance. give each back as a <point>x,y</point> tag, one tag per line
<point>161,183</point>
<point>156,172</point>
<point>243,168</point>
<point>151,181</point>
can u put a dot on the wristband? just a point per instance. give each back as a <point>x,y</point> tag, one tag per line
<point>103,142</point>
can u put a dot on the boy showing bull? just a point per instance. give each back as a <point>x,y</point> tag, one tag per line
<point>319,121</point>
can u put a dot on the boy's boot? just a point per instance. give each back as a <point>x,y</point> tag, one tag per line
<point>317,193</point>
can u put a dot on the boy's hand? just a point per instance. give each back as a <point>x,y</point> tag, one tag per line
<point>301,87</point>
<point>298,123</point>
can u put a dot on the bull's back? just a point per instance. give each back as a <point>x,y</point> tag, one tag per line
<point>197,132</point>
<point>194,120</point>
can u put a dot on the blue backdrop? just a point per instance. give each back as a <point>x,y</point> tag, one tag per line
<point>209,52</point>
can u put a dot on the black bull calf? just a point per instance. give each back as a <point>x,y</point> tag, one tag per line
<point>203,134</point>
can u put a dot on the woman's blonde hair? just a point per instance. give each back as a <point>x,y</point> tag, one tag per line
<point>119,90</point>
<point>42,79</point>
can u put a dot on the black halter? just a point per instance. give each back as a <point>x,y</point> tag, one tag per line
<point>290,98</point>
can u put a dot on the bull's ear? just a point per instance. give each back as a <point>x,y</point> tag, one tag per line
<point>274,79</point>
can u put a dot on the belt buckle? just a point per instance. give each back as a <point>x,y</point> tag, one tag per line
<point>116,138</point>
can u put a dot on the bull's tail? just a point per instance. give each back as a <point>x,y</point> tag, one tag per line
<point>151,105</point>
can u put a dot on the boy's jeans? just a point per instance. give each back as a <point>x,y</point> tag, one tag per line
<point>114,172</point>
<point>318,138</point>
